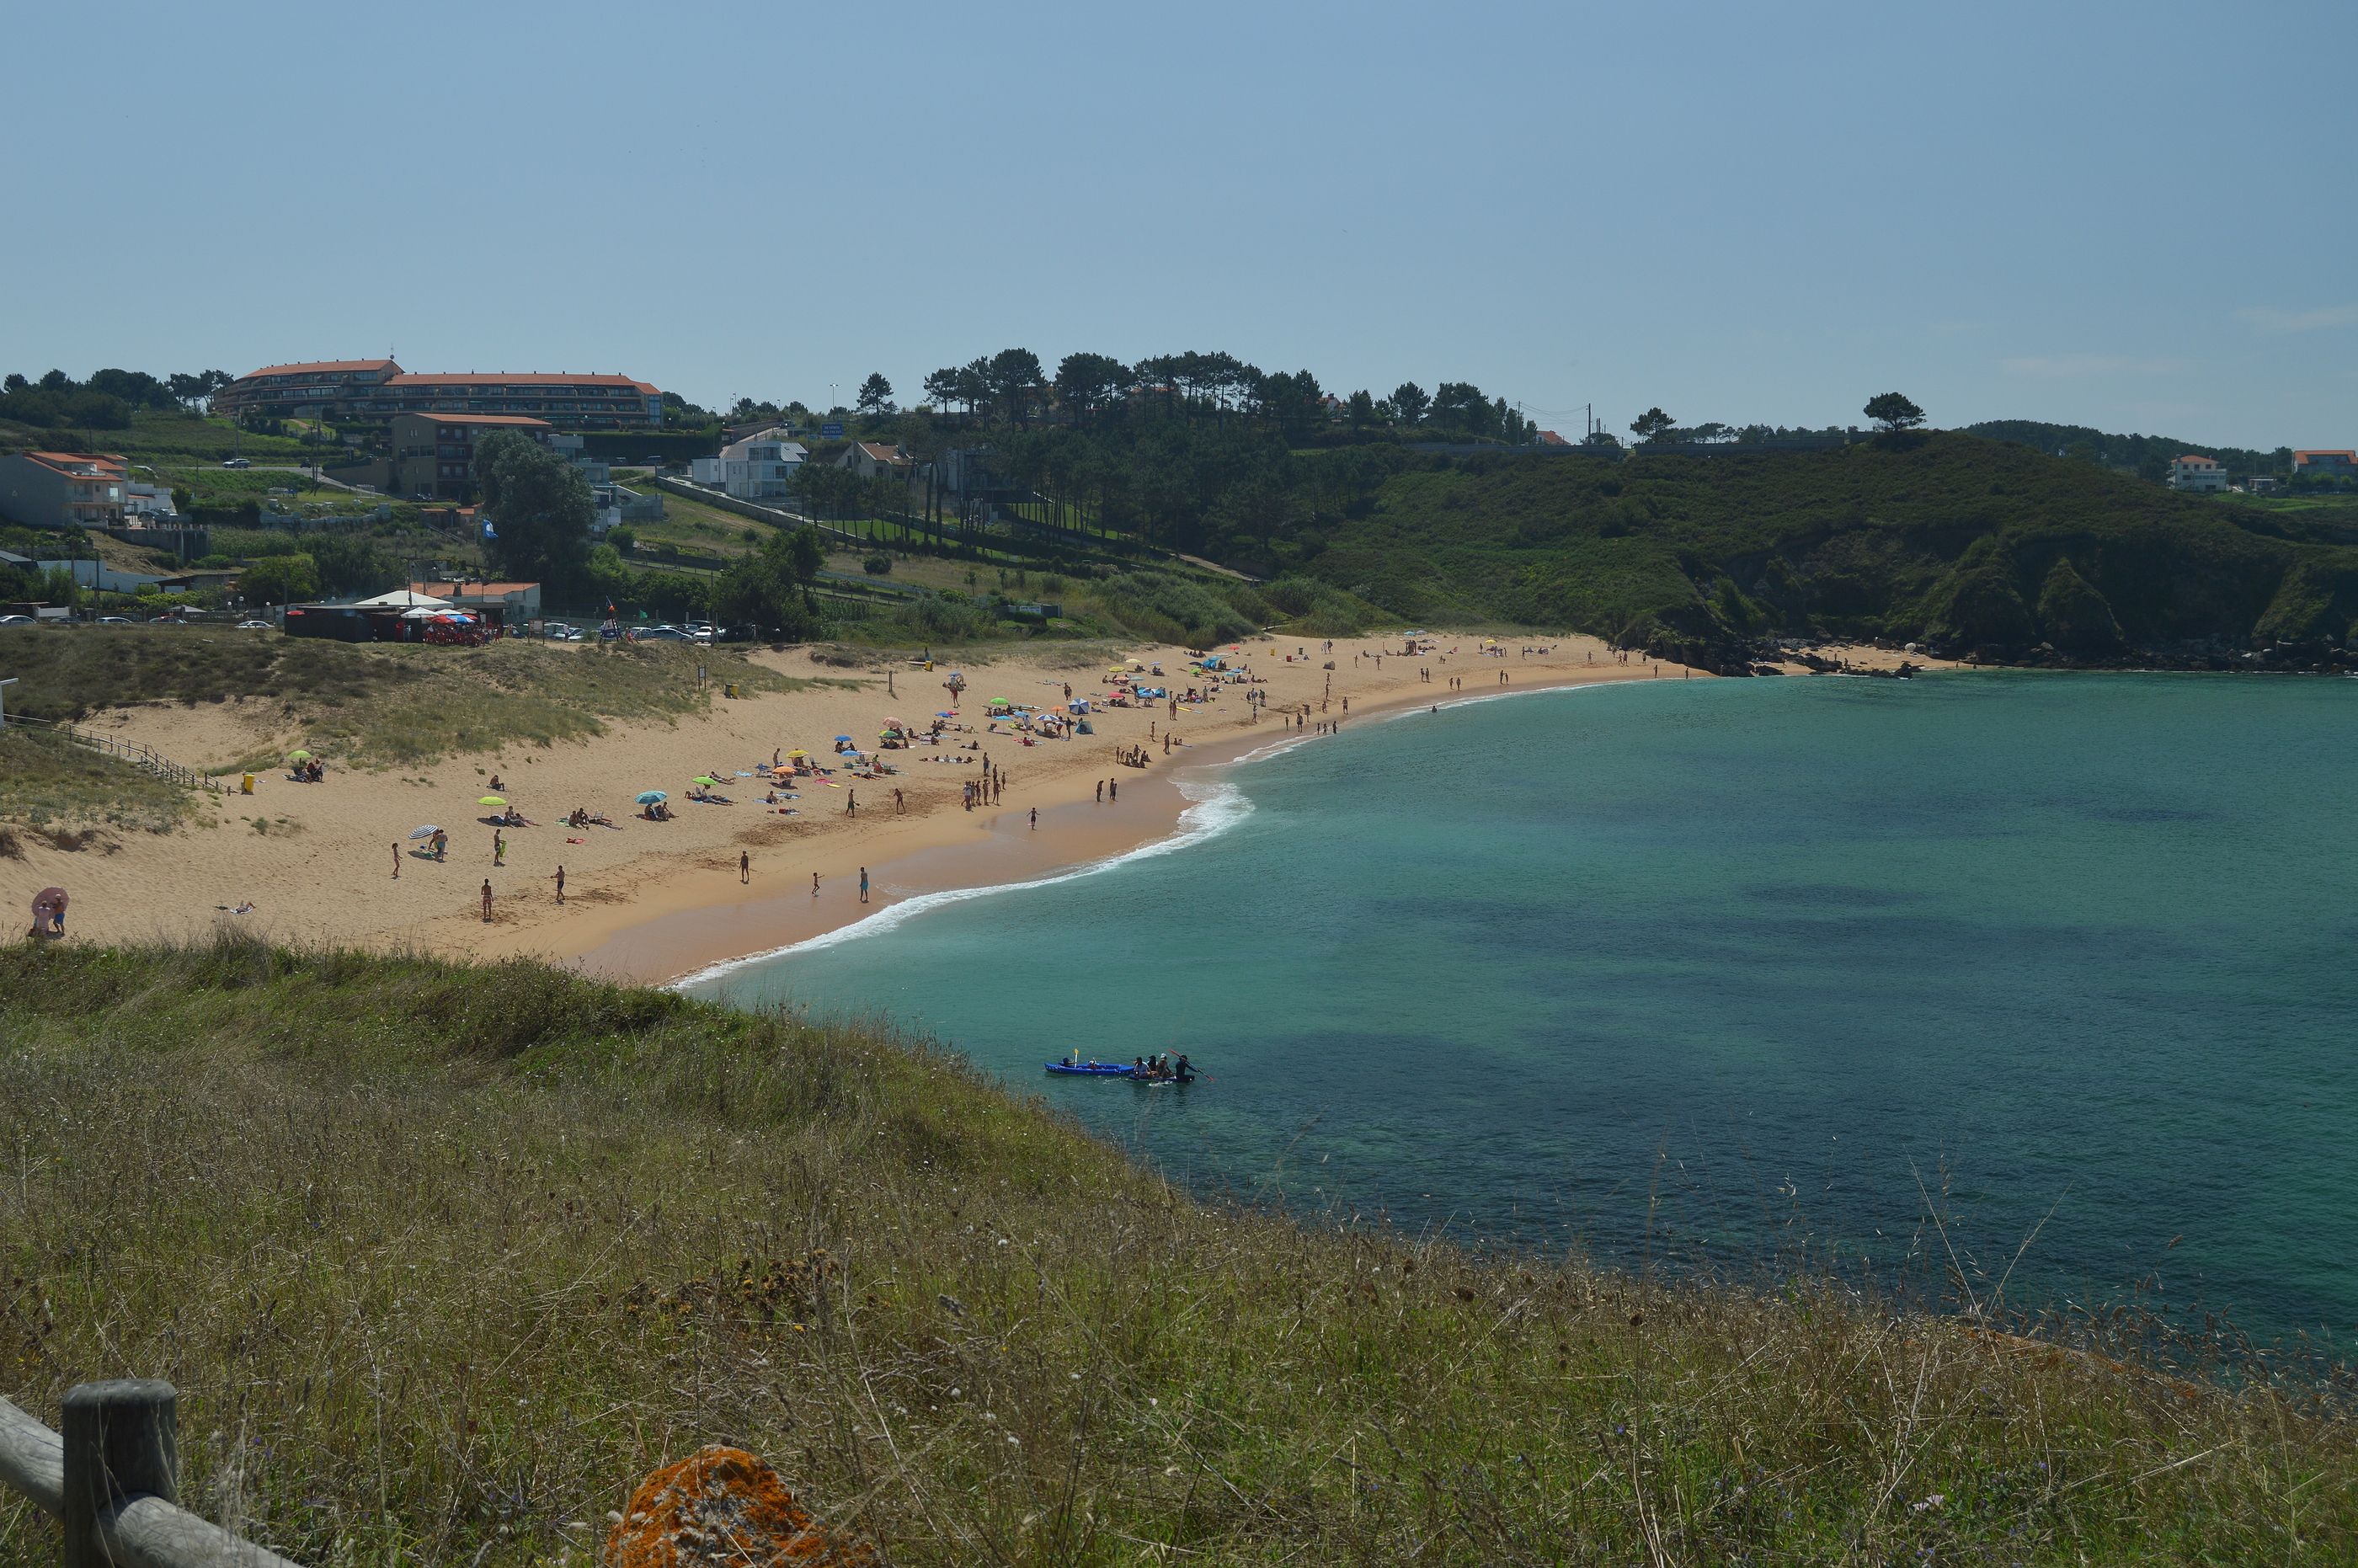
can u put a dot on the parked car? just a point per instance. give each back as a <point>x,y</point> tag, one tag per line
<point>115,620</point>
<point>255,626</point>
<point>558,630</point>
<point>237,462</point>
<point>665,634</point>
<point>17,621</point>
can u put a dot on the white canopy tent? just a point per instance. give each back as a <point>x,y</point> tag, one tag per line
<point>401,599</point>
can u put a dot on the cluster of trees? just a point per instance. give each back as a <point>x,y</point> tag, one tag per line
<point>104,402</point>
<point>1012,388</point>
<point>2149,457</point>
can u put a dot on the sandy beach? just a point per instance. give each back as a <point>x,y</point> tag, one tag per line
<point>654,900</point>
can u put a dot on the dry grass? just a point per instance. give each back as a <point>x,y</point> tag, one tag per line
<point>49,785</point>
<point>443,1259</point>
<point>375,705</point>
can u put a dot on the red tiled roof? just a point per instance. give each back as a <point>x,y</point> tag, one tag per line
<point>471,588</point>
<point>535,378</point>
<point>2199,458</point>
<point>319,367</point>
<point>2326,452</point>
<point>113,466</point>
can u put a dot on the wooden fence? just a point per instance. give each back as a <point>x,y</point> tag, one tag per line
<point>110,1478</point>
<point>141,756</point>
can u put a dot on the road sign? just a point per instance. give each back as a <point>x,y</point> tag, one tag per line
<point>830,431</point>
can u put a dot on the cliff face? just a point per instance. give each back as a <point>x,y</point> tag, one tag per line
<point>1964,544</point>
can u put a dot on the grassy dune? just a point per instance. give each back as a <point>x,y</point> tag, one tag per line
<point>51,786</point>
<point>442,1258</point>
<point>375,704</point>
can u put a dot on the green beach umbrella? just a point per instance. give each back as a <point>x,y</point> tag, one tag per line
<point>492,800</point>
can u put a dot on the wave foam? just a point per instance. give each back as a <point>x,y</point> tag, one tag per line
<point>1216,806</point>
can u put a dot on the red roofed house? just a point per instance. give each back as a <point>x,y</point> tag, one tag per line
<point>2325,465</point>
<point>375,390</point>
<point>2193,471</point>
<point>505,603</point>
<point>869,458</point>
<point>61,489</point>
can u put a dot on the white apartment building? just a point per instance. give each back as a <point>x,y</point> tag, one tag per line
<point>2194,472</point>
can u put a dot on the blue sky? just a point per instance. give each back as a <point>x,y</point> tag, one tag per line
<point>2136,217</point>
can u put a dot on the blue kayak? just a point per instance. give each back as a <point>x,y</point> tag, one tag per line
<point>1092,1070</point>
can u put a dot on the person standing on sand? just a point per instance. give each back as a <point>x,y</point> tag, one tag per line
<point>1035,819</point>
<point>1101,792</point>
<point>499,848</point>
<point>1113,789</point>
<point>396,862</point>
<point>851,803</point>
<point>863,884</point>
<point>744,866</point>
<point>896,800</point>
<point>814,884</point>
<point>487,901</point>
<point>560,884</point>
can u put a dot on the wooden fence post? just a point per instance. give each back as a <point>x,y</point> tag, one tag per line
<point>122,1439</point>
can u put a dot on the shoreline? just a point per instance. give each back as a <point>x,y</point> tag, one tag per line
<point>650,903</point>
<point>1076,838</point>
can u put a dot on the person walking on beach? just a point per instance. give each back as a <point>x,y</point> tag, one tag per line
<point>896,800</point>
<point>396,862</point>
<point>487,901</point>
<point>560,884</point>
<point>1113,789</point>
<point>1101,792</point>
<point>863,884</point>
<point>851,803</point>
<point>499,848</point>
<point>1035,819</point>
<point>814,884</point>
<point>744,866</point>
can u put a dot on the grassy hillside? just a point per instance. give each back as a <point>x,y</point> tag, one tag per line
<point>1960,542</point>
<point>443,1258</point>
<point>372,704</point>
<point>51,786</point>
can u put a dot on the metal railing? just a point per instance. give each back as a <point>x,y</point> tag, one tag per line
<point>111,1479</point>
<point>137,753</point>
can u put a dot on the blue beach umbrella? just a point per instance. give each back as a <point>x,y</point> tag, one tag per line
<point>648,797</point>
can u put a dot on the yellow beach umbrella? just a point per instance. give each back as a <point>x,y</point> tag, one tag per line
<point>492,800</point>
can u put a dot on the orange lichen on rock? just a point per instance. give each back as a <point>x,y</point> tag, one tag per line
<point>722,1506</point>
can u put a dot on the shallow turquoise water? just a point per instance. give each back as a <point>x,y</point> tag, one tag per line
<point>1725,970</point>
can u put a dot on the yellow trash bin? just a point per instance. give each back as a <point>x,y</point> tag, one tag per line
<point>729,690</point>
<point>245,786</point>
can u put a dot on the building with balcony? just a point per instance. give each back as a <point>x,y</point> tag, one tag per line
<point>374,391</point>
<point>63,489</point>
<point>761,467</point>
<point>2194,471</point>
<point>433,455</point>
<point>2325,465</point>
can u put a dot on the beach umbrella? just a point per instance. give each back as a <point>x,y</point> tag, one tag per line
<point>798,752</point>
<point>843,739</point>
<point>492,800</point>
<point>298,755</point>
<point>649,796</point>
<point>425,832</point>
<point>892,723</point>
<point>706,779</point>
<point>50,901</point>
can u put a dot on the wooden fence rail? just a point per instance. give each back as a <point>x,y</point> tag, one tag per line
<point>138,754</point>
<point>110,1478</point>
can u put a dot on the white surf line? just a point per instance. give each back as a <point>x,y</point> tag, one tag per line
<point>1219,806</point>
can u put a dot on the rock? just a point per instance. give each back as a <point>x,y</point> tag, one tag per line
<point>723,1506</point>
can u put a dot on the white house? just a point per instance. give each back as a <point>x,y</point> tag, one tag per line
<point>761,467</point>
<point>869,458</point>
<point>2194,472</point>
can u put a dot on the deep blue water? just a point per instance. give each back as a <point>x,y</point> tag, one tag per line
<point>1739,971</point>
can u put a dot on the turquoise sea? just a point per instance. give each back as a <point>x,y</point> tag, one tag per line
<point>1746,974</point>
